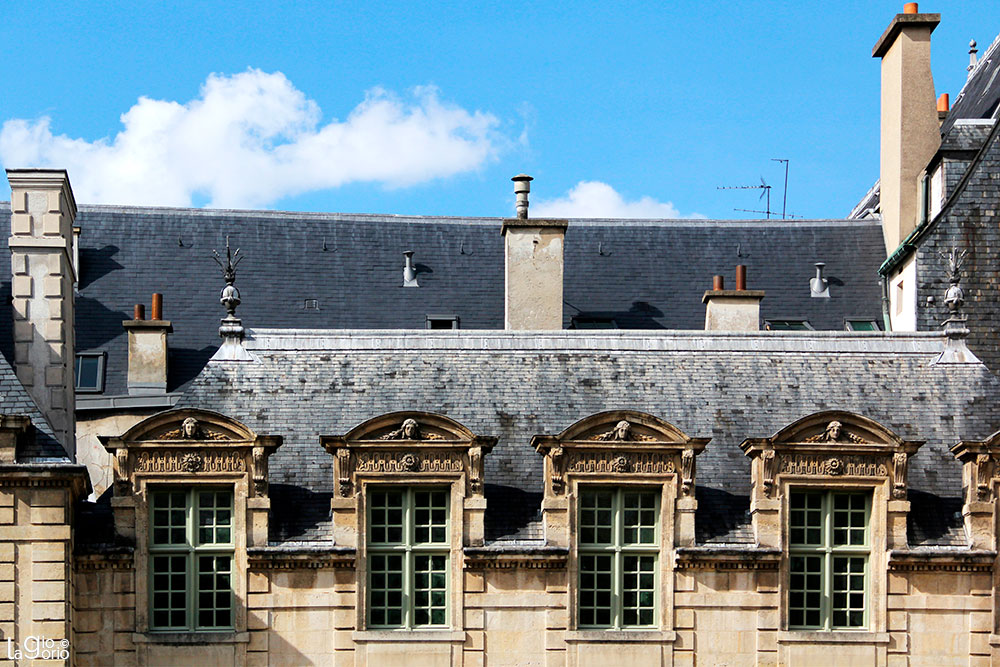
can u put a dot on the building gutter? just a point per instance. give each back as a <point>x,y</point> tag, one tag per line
<point>125,402</point>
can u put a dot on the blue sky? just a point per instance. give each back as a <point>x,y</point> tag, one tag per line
<point>429,108</point>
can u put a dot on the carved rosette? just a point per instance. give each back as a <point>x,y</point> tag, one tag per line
<point>831,444</point>
<point>410,445</point>
<point>620,444</point>
<point>188,444</point>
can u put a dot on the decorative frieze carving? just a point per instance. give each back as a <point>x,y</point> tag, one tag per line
<point>382,461</point>
<point>181,461</point>
<point>421,443</point>
<point>188,443</point>
<point>590,447</point>
<point>650,463</point>
<point>821,464</point>
<point>846,445</point>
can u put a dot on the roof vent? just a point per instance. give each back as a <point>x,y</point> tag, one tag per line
<point>522,186</point>
<point>972,57</point>
<point>819,286</point>
<point>409,273</point>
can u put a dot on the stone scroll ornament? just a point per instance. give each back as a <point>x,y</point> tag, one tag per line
<point>983,475</point>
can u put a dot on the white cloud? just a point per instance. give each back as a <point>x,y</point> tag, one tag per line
<point>253,138</point>
<point>593,199</point>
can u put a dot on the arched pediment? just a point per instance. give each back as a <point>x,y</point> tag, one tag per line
<point>410,426</point>
<point>188,425</point>
<point>623,426</point>
<point>834,427</point>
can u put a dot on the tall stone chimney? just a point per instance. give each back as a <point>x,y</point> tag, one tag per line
<point>910,134</point>
<point>533,267</point>
<point>41,252</point>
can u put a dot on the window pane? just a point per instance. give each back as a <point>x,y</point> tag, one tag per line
<point>596,520</point>
<point>214,517</point>
<point>638,591</point>
<point>385,606</point>
<point>849,519</point>
<point>386,517</point>
<point>430,517</point>
<point>849,591</point>
<point>805,591</point>
<point>429,589</point>
<point>806,519</point>
<point>169,518</point>
<point>596,575</point>
<point>639,519</point>
<point>169,589</point>
<point>214,591</point>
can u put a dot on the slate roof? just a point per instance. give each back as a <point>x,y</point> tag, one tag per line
<point>644,274</point>
<point>15,400</point>
<point>980,96</point>
<point>513,385</point>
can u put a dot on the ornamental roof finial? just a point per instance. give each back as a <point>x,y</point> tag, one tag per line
<point>231,329</point>
<point>955,329</point>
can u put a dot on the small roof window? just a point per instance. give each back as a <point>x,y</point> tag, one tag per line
<point>788,325</point>
<point>89,372</point>
<point>862,325</point>
<point>442,322</point>
<point>591,322</point>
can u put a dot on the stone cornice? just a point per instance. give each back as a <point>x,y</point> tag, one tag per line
<point>301,557</point>
<point>516,557</point>
<point>728,558</point>
<point>46,475</point>
<point>934,560</point>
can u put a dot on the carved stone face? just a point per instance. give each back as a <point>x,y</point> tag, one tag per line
<point>190,428</point>
<point>622,430</point>
<point>410,429</point>
<point>833,431</point>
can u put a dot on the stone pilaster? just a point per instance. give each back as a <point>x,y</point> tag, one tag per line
<point>41,246</point>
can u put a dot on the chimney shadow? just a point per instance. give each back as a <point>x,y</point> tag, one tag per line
<point>184,364</point>
<point>96,263</point>
<point>422,268</point>
<point>96,324</point>
<point>640,315</point>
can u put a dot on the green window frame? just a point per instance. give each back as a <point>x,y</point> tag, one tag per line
<point>829,552</point>
<point>191,559</point>
<point>409,554</point>
<point>618,555</point>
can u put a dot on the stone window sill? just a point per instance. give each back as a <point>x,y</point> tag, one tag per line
<point>422,636</point>
<point>835,637</point>
<point>190,637</point>
<point>619,636</point>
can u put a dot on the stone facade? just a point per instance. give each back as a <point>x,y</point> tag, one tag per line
<point>509,605</point>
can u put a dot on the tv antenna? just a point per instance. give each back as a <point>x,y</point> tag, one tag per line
<point>784,198</point>
<point>765,192</point>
